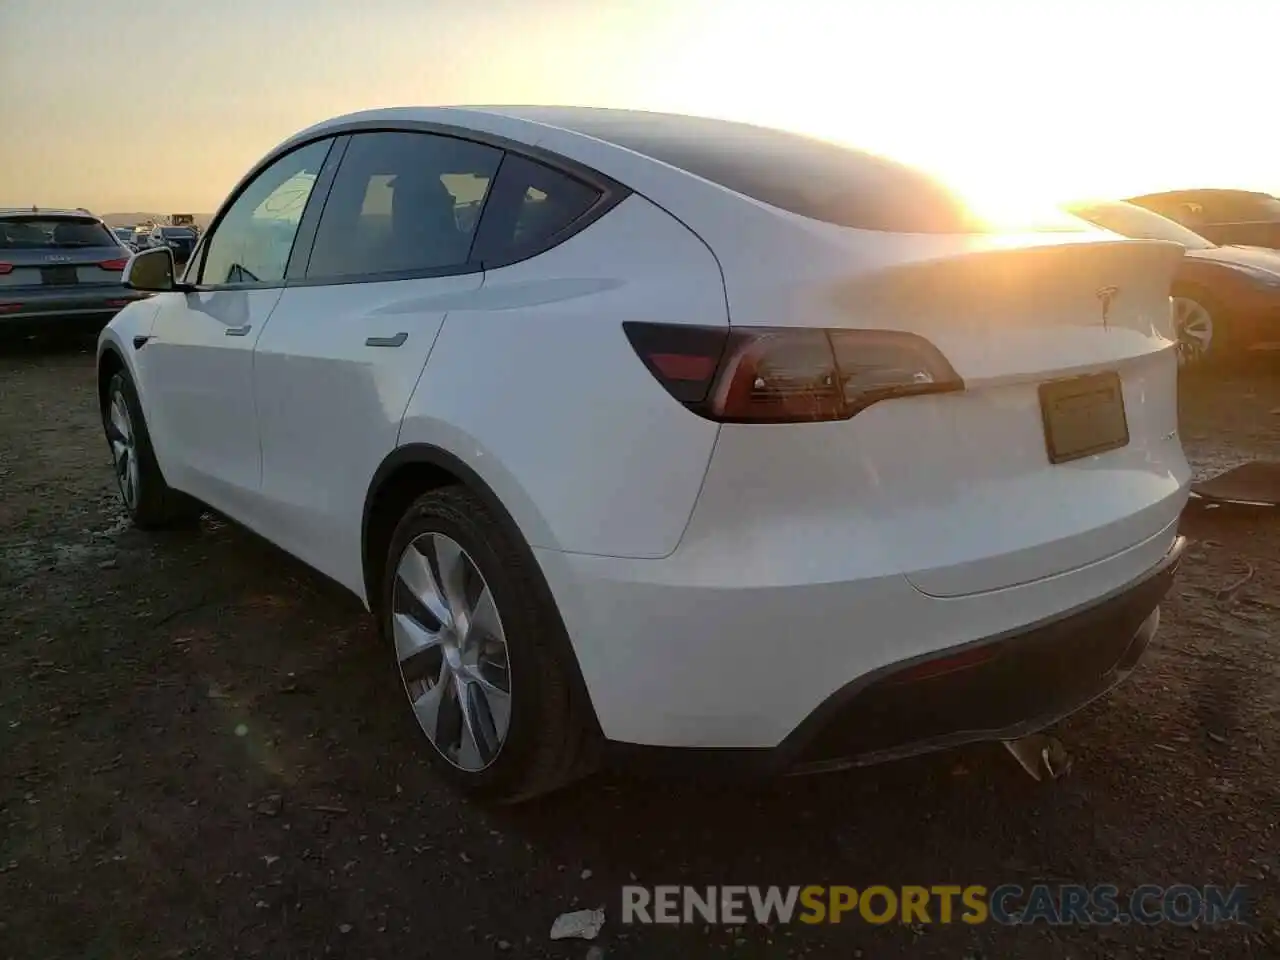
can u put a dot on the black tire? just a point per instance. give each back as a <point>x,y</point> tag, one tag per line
<point>156,504</point>
<point>1219,346</point>
<point>549,743</point>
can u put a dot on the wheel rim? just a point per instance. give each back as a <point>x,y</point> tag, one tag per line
<point>124,448</point>
<point>452,651</point>
<point>1194,326</point>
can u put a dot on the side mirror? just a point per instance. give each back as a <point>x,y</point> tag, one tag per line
<point>151,270</point>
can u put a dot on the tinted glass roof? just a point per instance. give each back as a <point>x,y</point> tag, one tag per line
<point>800,174</point>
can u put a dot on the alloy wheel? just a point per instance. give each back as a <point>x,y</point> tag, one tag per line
<point>124,448</point>
<point>452,651</point>
<point>1194,327</point>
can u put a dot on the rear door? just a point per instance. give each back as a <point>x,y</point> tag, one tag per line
<point>334,370</point>
<point>198,361</point>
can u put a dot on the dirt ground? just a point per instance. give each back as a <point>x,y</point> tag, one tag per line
<point>204,753</point>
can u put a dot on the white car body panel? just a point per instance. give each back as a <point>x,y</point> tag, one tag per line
<point>559,386</point>
<point>717,582</point>
<point>134,320</point>
<point>201,410</point>
<point>330,406</point>
<point>758,645</point>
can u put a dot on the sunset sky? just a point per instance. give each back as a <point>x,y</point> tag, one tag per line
<point>161,106</point>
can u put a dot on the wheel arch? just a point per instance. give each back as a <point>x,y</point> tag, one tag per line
<point>416,468</point>
<point>110,362</point>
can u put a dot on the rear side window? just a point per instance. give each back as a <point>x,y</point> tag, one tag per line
<point>402,203</point>
<point>53,233</point>
<point>532,207</point>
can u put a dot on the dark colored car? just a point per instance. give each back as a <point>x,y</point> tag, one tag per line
<point>1243,217</point>
<point>125,236</point>
<point>59,269</point>
<point>1226,299</point>
<point>181,240</point>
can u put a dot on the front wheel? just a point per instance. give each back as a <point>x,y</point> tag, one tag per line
<point>475,644</point>
<point>150,501</point>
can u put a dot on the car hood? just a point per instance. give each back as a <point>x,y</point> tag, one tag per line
<point>1254,258</point>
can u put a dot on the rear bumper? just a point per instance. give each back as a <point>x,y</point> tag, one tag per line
<point>45,308</point>
<point>995,688</point>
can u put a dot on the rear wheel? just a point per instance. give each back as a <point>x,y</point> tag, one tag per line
<point>150,501</point>
<point>1193,324</point>
<point>475,648</point>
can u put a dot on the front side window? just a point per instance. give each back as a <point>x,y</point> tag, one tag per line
<point>251,243</point>
<point>402,203</point>
<point>532,205</point>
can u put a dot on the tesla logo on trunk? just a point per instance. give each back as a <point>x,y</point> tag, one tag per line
<point>1106,296</point>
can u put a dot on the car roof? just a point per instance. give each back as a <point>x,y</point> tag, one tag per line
<point>46,212</point>
<point>1194,192</point>
<point>564,117</point>
<point>671,159</point>
<point>723,176</point>
<point>646,132</point>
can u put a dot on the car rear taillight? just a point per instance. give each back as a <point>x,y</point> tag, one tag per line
<point>114,264</point>
<point>10,307</point>
<point>6,268</point>
<point>788,375</point>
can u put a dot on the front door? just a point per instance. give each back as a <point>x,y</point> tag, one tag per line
<point>200,354</point>
<point>337,365</point>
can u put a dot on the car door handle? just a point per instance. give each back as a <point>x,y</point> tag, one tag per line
<point>239,331</point>
<point>396,341</point>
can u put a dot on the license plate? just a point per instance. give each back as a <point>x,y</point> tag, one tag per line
<point>1083,416</point>
<point>59,276</point>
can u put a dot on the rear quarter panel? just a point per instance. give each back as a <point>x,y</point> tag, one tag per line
<point>536,388</point>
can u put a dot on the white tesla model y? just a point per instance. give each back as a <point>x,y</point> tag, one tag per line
<point>656,437</point>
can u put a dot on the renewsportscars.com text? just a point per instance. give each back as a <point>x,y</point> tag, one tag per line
<point>1009,904</point>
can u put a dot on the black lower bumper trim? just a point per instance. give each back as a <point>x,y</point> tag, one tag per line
<point>997,688</point>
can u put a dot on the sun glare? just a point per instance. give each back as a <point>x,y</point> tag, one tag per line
<point>1017,211</point>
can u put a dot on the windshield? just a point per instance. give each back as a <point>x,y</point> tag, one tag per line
<point>1139,224</point>
<point>35,232</point>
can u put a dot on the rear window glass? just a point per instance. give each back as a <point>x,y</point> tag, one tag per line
<point>177,233</point>
<point>33,233</point>
<point>810,177</point>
